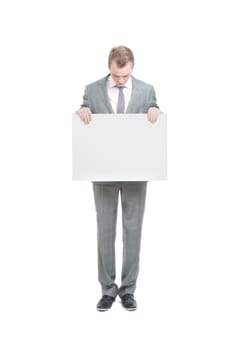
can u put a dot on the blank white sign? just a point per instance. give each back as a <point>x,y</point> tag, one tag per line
<point>122,147</point>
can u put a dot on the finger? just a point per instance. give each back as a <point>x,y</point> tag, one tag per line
<point>152,119</point>
<point>149,117</point>
<point>88,116</point>
<point>87,120</point>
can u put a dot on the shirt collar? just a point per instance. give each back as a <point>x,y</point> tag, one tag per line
<point>112,84</point>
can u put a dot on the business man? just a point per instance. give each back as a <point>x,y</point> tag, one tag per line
<point>119,92</point>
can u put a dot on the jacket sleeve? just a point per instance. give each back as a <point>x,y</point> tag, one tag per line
<point>86,102</point>
<point>153,99</point>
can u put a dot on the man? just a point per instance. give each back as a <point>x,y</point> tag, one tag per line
<point>119,92</point>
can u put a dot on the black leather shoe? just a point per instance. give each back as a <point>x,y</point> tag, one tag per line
<point>129,302</point>
<point>105,303</point>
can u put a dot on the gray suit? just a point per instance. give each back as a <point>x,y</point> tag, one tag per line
<point>96,98</point>
<point>106,194</point>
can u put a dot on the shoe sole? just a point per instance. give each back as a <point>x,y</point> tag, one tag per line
<point>102,310</point>
<point>129,308</point>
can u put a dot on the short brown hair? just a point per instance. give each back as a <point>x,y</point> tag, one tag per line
<point>121,55</point>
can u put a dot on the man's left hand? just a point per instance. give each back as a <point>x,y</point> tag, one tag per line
<point>153,114</point>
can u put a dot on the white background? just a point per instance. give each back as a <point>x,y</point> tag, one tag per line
<point>49,51</point>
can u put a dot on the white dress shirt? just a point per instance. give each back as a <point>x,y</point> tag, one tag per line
<point>113,92</point>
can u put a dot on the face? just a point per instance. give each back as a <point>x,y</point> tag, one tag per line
<point>120,74</point>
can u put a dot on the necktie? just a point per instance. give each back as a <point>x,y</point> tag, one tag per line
<point>121,101</point>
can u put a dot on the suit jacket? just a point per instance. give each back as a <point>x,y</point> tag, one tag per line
<point>142,98</point>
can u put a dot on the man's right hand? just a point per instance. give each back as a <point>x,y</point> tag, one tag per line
<point>85,114</point>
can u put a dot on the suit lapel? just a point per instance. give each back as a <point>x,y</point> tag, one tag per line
<point>134,96</point>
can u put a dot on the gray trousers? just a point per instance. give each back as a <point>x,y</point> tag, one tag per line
<point>133,196</point>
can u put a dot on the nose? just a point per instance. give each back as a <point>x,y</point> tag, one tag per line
<point>121,80</point>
